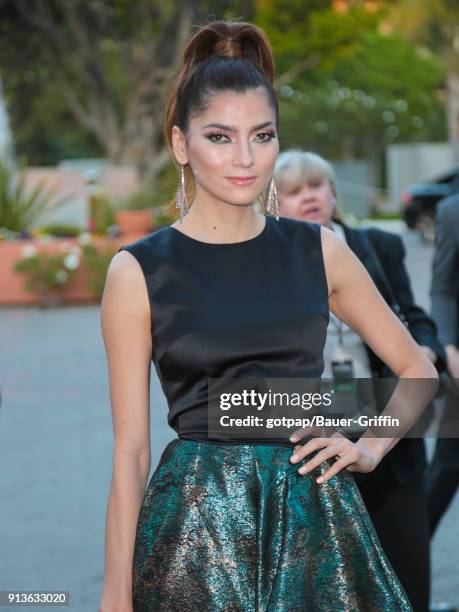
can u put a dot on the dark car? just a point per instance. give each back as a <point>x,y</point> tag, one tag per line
<point>419,201</point>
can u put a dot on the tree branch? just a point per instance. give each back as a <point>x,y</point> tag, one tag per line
<point>297,70</point>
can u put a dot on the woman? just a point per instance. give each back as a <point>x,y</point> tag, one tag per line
<point>394,492</point>
<point>224,293</point>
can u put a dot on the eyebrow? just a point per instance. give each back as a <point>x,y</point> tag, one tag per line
<point>230,128</point>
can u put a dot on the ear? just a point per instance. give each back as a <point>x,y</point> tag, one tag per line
<point>179,145</point>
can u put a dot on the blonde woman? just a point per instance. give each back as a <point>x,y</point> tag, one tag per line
<point>394,491</point>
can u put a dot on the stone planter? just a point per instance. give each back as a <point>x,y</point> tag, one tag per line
<point>12,291</point>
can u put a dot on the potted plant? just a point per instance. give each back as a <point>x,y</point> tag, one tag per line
<point>20,208</point>
<point>134,215</point>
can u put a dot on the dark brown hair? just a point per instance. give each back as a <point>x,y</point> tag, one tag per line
<point>220,56</point>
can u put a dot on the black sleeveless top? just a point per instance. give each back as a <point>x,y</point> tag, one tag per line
<point>256,308</point>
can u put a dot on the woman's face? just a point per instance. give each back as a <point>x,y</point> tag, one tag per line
<point>310,200</point>
<point>231,147</point>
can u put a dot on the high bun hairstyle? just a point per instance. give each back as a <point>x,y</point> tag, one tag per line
<point>220,56</point>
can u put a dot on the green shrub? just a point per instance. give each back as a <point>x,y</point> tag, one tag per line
<point>61,230</point>
<point>45,272</point>
<point>21,208</point>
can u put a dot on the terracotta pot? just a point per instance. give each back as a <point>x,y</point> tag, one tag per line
<point>134,221</point>
<point>12,290</point>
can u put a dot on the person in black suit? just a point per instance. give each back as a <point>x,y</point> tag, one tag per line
<point>395,493</point>
<point>443,472</point>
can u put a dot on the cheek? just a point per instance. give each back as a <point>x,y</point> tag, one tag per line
<point>207,162</point>
<point>327,193</point>
<point>323,195</point>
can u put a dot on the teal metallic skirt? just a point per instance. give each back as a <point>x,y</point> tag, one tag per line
<point>234,528</point>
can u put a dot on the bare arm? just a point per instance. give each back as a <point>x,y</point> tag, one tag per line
<point>354,298</point>
<point>126,329</point>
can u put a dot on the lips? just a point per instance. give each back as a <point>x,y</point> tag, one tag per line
<point>241,181</point>
<point>311,210</point>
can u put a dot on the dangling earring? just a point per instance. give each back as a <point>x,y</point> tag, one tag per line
<point>271,204</point>
<point>180,199</point>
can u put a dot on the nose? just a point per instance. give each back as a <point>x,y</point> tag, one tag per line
<point>243,155</point>
<point>306,194</point>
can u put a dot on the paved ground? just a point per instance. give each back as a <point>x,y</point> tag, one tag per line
<point>55,451</point>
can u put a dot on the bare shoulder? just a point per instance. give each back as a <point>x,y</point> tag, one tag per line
<point>124,266</point>
<point>125,288</point>
<point>335,254</point>
<point>332,244</point>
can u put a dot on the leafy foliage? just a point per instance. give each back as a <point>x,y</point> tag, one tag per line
<point>348,87</point>
<point>19,207</point>
<point>46,271</point>
<point>88,78</point>
<point>365,103</point>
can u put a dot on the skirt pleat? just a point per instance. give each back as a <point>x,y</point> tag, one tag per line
<point>235,528</point>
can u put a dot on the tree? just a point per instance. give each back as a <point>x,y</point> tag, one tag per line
<point>307,34</point>
<point>354,87</point>
<point>111,62</point>
<point>434,24</point>
<point>90,76</point>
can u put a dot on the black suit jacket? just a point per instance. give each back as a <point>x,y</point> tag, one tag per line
<point>445,271</point>
<point>382,253</point>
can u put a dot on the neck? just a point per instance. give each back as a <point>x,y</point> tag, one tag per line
<point>221,221</point>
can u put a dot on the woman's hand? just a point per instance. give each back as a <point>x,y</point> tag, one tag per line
<point>353,456</point>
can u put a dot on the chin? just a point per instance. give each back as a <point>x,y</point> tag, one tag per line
<point>245,200</point>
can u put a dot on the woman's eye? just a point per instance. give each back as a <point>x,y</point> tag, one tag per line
<point>265,136</point>
<point>217,137</point>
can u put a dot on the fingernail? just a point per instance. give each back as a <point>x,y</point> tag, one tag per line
<point>294,438</point>
<point>320,480</point>
<point>294,458</point>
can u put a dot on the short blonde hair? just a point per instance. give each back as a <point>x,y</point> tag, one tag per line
<point>296,166</point>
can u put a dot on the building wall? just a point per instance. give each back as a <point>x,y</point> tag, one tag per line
<point>117,182</point>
